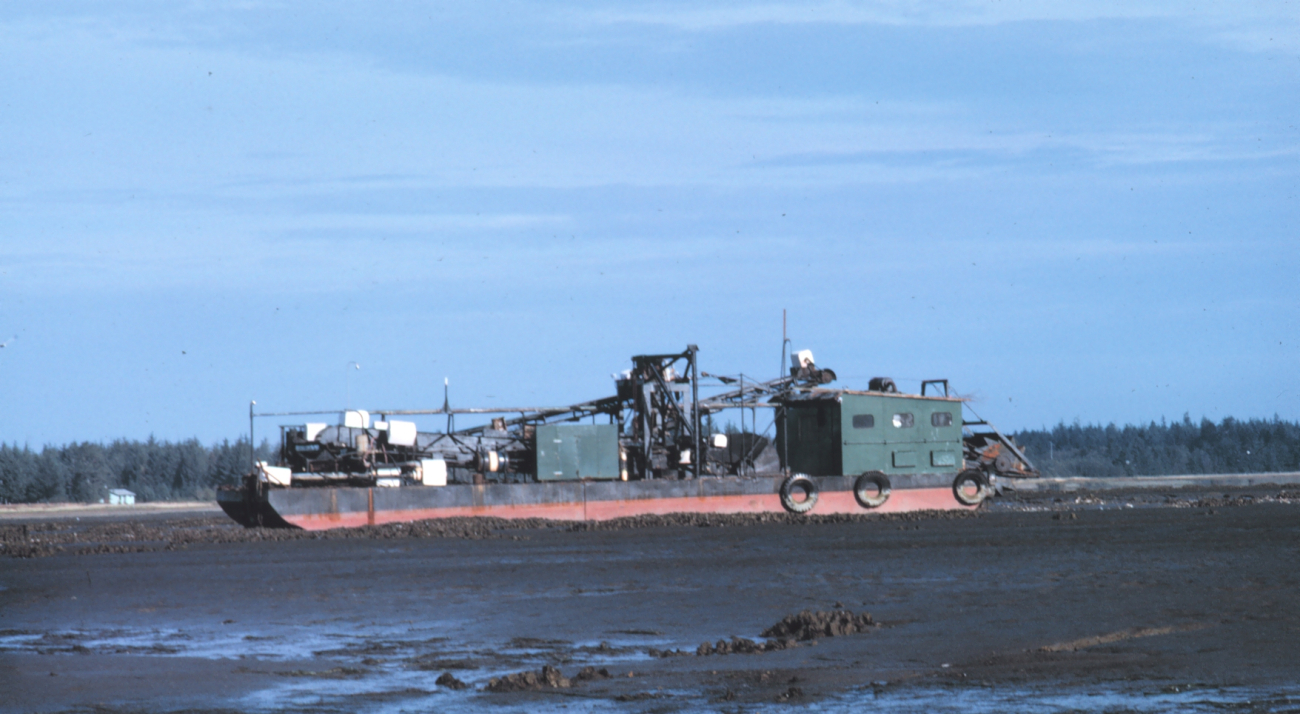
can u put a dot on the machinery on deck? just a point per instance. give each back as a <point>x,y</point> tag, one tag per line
<point>653,427</point>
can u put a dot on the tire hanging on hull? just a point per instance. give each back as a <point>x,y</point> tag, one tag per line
<point>869,483</point>
<point>964,481</point>
<point>802,482</point>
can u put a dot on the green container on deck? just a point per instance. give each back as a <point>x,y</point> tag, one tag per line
<point>844,433</point>
<point>568,452</point>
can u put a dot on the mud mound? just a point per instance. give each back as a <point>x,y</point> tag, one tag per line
<point>787,633</point>
<point>809,625</point>
<point>449,681</point>
<point>589,673</point>
<point>548,678</point>
<point>742,645</point>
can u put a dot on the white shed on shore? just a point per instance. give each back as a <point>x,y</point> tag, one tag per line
<point>121,497</point>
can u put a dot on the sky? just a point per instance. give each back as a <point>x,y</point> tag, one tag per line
<point>1071,210</point>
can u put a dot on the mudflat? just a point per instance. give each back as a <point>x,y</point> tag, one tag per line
<point>1137,601</point>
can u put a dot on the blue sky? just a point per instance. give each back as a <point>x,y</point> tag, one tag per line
<point>1071,210</point>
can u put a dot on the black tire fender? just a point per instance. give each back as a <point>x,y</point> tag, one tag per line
<point>871,481</point>
<point>800,481</point>
<point>964,480</point>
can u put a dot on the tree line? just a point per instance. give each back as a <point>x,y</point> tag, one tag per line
<point>153,470</point>
<point>1165,449</point>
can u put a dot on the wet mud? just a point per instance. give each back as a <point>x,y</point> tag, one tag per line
<point>1123,602</point>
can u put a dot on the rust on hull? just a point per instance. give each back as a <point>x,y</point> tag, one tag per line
<point>322,509</point>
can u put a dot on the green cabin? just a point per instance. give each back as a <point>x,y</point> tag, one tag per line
<point>838,432</point>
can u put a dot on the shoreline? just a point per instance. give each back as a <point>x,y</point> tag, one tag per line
<point>1070,484</point>
<point>17,511</point>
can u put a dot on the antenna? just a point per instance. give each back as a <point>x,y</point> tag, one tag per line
<point>252,451</point>
<point>785,344</point>
<point>446,401</point>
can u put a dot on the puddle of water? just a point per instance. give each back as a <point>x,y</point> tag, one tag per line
<point>272,643</point>
<point>376,669</point>
<point>391,686</point>
<point>370,668</point>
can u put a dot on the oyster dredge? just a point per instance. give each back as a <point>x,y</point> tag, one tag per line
<point>646,450</point>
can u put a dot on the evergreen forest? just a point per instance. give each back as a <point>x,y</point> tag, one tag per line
<point>153,470</point>
<point>1165,449</point>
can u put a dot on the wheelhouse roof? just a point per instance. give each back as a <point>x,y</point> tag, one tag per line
<point>835,395</point>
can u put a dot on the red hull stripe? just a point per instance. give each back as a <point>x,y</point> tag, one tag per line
<point>828,502</point>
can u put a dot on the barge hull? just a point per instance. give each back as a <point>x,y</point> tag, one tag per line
<point>325,508</point>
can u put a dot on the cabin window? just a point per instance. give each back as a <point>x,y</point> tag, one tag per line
<point>904,420</point>
<point>864,421</point>
<point>941,419</point>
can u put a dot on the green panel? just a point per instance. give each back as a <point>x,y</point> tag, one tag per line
<point>943,458</point>
<point>873,448</point>
<point>904,459</point>
<point>568,452</point>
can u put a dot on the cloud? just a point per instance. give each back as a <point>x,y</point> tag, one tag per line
<point>1249,26</point>
<point>696,17</point>
<point>408,223</point>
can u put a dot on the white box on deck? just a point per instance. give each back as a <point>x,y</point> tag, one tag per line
<point>356,418</point>
<point>401,433</point>
<point>278,475</point>
<point>313,430</point>
<point>433,472</point>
